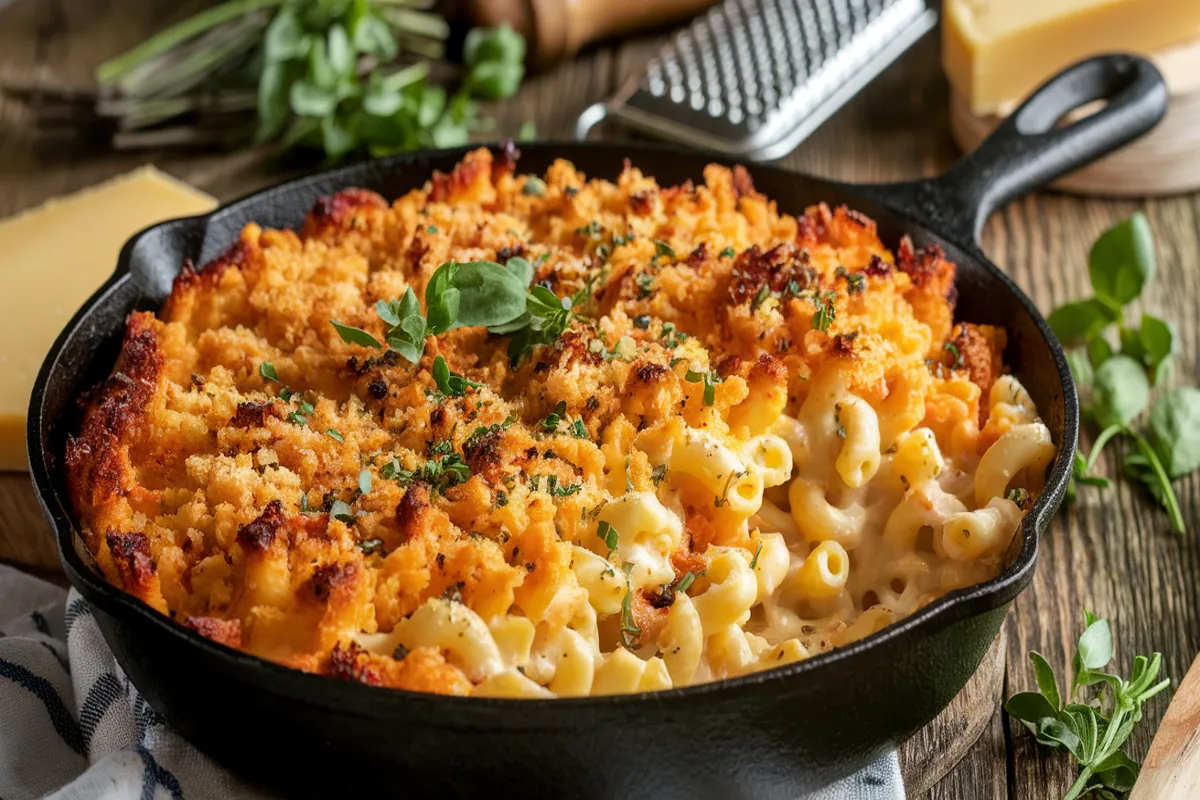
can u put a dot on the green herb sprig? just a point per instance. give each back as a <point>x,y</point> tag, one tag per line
<point>1093,731</point>
<point>341,76</point>
<point>1116,382</point>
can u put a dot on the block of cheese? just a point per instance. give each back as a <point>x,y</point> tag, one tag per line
<point>51,260</point>
<point>998,51</point>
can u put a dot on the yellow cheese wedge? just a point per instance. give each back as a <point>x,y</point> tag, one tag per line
<point>51,259</point>
<point>998,51</point>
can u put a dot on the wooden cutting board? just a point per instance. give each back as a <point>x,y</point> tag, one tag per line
<point>1165,161</point>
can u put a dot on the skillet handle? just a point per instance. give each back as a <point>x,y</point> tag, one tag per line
<point>1027,150</point>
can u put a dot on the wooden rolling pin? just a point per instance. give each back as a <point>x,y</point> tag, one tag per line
<point>558,29</point>
<point>1171,770</point>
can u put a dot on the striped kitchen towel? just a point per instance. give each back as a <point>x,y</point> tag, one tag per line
<point>72,727</point>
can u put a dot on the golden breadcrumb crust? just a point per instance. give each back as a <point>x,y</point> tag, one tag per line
<point>206,495</point>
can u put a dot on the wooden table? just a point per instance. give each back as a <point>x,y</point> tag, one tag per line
<point>1112,553</point>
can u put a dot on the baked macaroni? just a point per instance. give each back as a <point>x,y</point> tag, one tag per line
<point>752,437</point>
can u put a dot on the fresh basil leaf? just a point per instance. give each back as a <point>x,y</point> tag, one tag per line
<point>441,299</point>
<point>389,312</point>
<point>1175,429</point>
<point>352,335</point>
<point>1095,644</point>
<point>1054,732</point>
<point>522,269</point>
<point>431,102</point>
<point>1117,771</point>
<point>517,324</point>
<point>380,101</point>
<point>1080,321</point>
<point>1120,392</point>
<point>310,101</point>
<point>1122,261</point>
<point>1046,681</point>
<point>490,294</point>
<point>1030,707</point>
<point>411,321</point>
<point>321,73</point>
<point>1098,351</point>
<point>339,50</point>
<point>1131,344</point>
<point>336,138</point>
<point>493,44</point>
<point>1158,344</point>
<point>495,80</point>
<point>372,35</point>
<point>1081,369</point>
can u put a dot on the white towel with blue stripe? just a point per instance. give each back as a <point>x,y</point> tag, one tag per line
<point>72,726</point>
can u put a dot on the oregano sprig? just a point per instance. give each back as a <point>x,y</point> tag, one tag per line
<point>1092,730</point>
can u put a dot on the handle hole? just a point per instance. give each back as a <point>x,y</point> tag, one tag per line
<point>1033,125</point>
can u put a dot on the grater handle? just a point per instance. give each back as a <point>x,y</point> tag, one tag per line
<point>1027,150</point>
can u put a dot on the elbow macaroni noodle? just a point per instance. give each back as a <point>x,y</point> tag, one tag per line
<point>908,527</point>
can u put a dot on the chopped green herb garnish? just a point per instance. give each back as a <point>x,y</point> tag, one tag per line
<point>578,430</point>
<point>296,418</point>
<point>550,423</point>
<point>710,379</point>
<point>763,293</point>
<point>728,252</point>
<point>951,348</point>
<point>629,629</point>
<point>370,546</point>
<point>267,370</point>
<point>658,474</point>
<point>609,535</point>
<point>824,315</point>
<point>754,561</point>
<point>335,434</point>
<point>685,583</point>
<point>661,249</point>
<point>340,510</point>
<point>431,229</point>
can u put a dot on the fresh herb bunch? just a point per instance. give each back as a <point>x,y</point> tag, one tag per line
<point>342,76</point>
<point>1115,382</point>
<point>1092,731</point>
<point>474,294</point>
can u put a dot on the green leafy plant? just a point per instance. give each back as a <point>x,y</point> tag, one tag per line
<point>1115,382</point>
<point>341,76</point>
<point>1092,730</point>
<point>474,294</point>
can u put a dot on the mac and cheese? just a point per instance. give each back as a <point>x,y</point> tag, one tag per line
<point>758,436</point>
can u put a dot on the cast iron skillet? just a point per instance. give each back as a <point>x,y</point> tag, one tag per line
<point>772,734</point>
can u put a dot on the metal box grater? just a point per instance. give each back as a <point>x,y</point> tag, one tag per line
<point>753,78</point>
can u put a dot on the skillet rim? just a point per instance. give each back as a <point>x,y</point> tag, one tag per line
<point>950,608</point>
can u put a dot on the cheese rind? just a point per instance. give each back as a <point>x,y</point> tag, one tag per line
<point>51,260</point>
<point>998,51</point>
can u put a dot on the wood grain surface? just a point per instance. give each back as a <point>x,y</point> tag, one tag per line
<point>1112,553</point>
